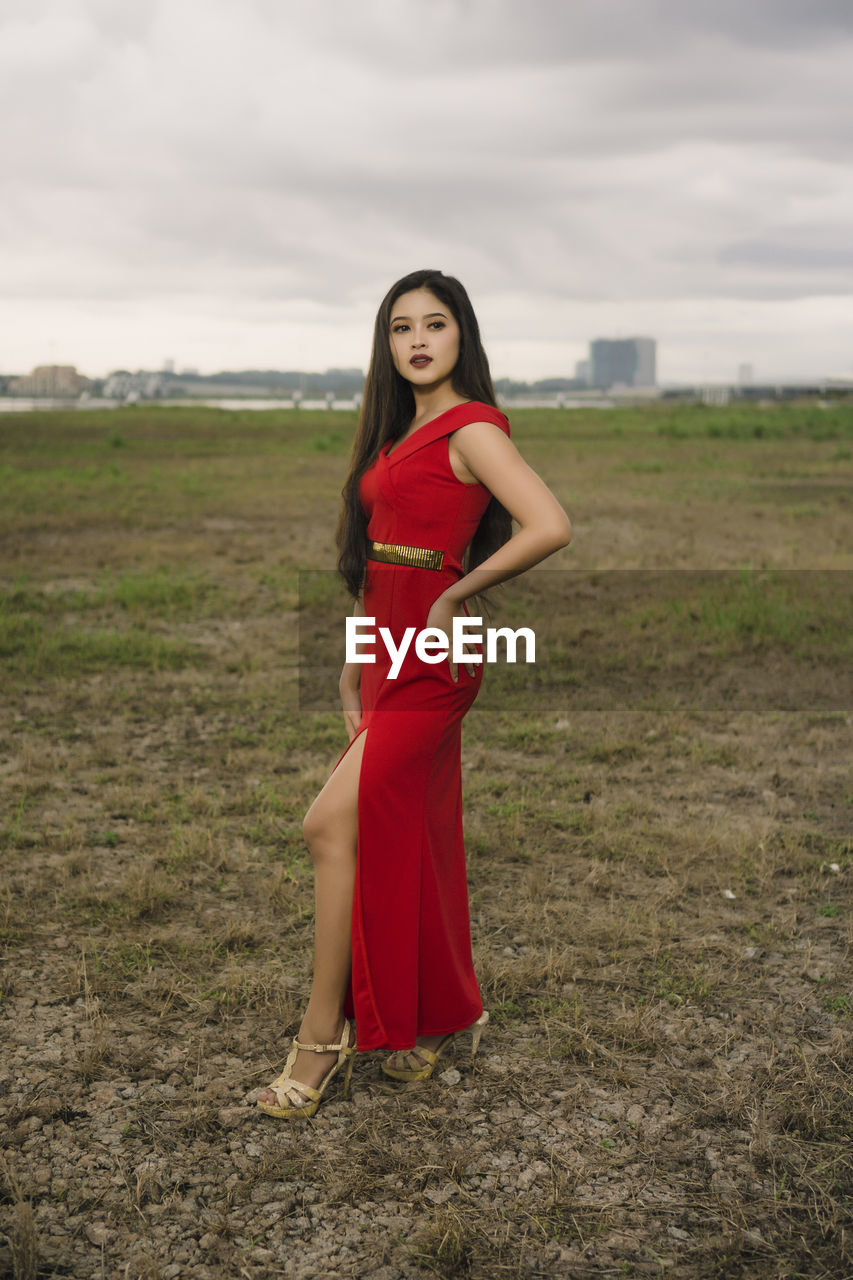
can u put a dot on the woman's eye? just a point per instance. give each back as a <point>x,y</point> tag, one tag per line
<point>399,328</point>
<point>437,324</point>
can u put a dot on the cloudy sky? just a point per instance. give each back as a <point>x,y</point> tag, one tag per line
<point>236,183</point>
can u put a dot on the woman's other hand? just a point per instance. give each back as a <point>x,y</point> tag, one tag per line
<point>351,697</point>
<point>441,615</point>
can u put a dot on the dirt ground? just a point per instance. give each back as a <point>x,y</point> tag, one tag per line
<point>660,894</point>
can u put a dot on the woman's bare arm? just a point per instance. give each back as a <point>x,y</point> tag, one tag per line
<point>351,674</point>
<point>493,459</point>
<point>350,684</point>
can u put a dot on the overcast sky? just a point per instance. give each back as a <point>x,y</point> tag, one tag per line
<point>236,183</point>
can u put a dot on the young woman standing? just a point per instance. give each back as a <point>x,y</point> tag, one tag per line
<point>433,486</point>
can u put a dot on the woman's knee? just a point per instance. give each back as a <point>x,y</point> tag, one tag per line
<point>313,828</point>
<point>330,826</point>
<point>328,836</point>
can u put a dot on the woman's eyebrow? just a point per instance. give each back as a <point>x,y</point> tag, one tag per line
<point>430,316</point>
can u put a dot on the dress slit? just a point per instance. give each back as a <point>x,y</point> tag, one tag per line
<point>355,736</point>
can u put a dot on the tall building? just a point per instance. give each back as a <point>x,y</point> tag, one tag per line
<point>628,362</point>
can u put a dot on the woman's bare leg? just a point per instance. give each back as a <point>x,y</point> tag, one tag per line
<point>330,828</point>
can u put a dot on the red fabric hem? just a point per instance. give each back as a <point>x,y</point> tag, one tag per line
<point>389,1047</point>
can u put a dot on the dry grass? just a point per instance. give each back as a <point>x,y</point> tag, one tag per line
<point>661,896</point>
<point>21,1233</point>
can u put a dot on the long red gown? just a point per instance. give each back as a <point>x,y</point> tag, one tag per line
<point>412,969</point>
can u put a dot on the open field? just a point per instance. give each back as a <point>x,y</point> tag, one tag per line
<point>661,889</point>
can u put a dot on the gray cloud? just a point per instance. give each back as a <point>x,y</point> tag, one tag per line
<point>805,257</point>
<point>273,154</point>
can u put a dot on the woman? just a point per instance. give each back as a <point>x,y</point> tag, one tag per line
<point>433,472</point>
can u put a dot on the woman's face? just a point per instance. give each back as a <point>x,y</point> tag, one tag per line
<point>424,339</point>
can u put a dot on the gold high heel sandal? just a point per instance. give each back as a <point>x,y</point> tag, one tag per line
<point>282,1084</point>
<point>432,1055</point>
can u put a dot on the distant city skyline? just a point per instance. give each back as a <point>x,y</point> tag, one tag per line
<point>239,185</point>
<point>620,366</point>
<point>572,368</point>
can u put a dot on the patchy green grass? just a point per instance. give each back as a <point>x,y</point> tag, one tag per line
<point>33,649</point>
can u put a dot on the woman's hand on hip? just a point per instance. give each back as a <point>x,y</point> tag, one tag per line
<point>441,615</point>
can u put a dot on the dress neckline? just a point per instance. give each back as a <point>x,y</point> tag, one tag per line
<point>390,448</point>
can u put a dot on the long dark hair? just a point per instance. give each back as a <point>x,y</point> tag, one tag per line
<point>387,411</point>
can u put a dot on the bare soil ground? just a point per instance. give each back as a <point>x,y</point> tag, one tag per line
<point>661,894</point>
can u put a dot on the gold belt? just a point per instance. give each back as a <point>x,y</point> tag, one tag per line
<point>395,553</point>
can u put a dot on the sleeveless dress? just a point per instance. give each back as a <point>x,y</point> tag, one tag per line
<point>412,969</point>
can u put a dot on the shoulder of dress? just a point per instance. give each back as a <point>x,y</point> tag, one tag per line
<point>478,411</point>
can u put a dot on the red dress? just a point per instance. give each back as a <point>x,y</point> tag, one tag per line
<point>412,970</point>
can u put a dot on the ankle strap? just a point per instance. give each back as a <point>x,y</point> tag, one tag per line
<point>327,1048</point>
